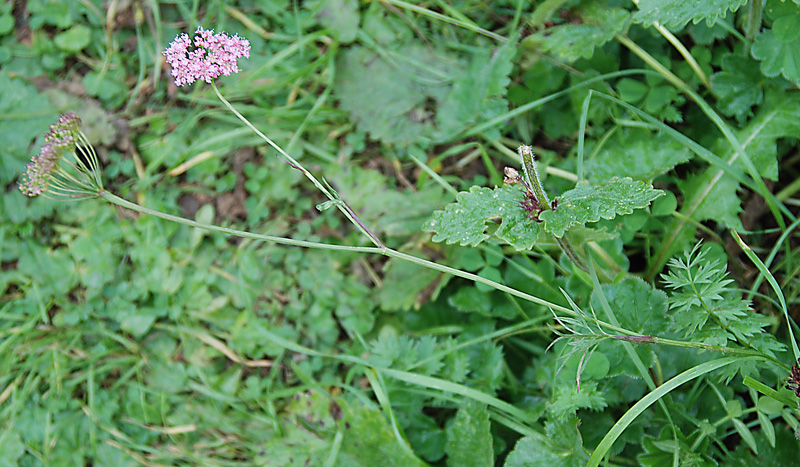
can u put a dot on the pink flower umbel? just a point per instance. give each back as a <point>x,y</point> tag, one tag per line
<point>213,55</point>
<point>52,172</point>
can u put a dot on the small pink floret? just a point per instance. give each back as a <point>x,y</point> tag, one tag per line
<point>213,55</point>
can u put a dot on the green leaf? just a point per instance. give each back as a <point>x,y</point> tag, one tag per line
<point>570,42</point>
<point>639,308</point>
<point>562,447</point>
<point>341,17</point>
<point>778,48</point>
<point>737,86</point>
<point>674,14</point>
<point>638,154</point>
<point>777,119</point>
<point>74,39</point>
<point>465,221</point>
<point>406,285</point>
<point>479,92</point>
<point>11,447</point>
<point>469,442</point>
<point>712,195</point>
<point>586,203</point>
<point>386,98</point>
<point>26,114</point>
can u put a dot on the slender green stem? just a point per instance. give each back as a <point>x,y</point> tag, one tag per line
<point>239,233</point>
<point>624,334</point>
<point>341,205</point>
<point>535,184</point>
<point>446,19</point>
<point>753,22</point>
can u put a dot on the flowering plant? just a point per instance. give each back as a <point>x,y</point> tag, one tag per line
<point>213,55</point>
<point>66,167</point>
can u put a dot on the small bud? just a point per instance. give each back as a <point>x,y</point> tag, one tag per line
<point>512,177</point>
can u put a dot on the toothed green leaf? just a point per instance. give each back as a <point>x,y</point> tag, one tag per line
<point>587,203</point>
<point>737,86</point>
<point>570,42</point>
<point>465,222</point>
<point>469,442</point>
<point>674,14</point>
<point>638,154</point>
<point>778,49</point>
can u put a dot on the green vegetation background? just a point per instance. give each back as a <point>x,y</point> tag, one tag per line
<point>129,340</point>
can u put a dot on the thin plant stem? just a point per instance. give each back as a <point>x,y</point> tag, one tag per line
<point>340,204</point>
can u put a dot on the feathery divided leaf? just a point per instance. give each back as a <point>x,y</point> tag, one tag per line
<point>674,14</point>
<point>465,221</point>
<point>703,307</point>
<point>586,203</point>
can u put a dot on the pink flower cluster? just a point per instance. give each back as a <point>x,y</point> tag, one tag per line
<point>213,55</point>
<point>60,139</point>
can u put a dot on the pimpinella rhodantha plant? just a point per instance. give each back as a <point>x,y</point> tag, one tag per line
<point>528,217</point>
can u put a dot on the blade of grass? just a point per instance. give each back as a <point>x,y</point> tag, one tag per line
<point>648,400</point>
<point>773,283</point>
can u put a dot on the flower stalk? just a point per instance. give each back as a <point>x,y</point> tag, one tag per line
<point>535,185</point>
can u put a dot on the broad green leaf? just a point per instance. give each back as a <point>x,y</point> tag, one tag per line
<point>562,447</point>
<point>479,92</point>
<point>586,203</point>
<point>73,39</point>
<point>737,86</point>
<point>638,154</point>
<point>778,48</point>
<point>341,17</point>
<point>465,221</point>
<point>406,285</point>
<point>26,114</point>
<point>712,195</point>
<point>777,119</point>
<point>639,308</point>
<point>570,42</point>
<point>11,448</point>
<point>469,442</point>
<point>388,98</point>
<point>674,14</point>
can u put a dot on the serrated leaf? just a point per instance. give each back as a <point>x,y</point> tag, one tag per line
<point>777,119</point>
<point>638,154</point>
<point>478,90</point>
<point>737,86</point>
<point>570,42</point>
<point>562,447</point>
<point>587,203</point>
<point>639,308</point>
<point>386,98</point>
<point>712,195</point>
<point>778,49</point>
<point>674,14</point>
<point>469,442</point>
<point>465,221</point>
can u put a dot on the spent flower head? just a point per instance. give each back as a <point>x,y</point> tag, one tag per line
<point>54,172</point>
<point>211,56</point>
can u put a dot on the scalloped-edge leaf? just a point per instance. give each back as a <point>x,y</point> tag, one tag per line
<point>674,14</point>
<point>586,203</point>
<point>465,221</point>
